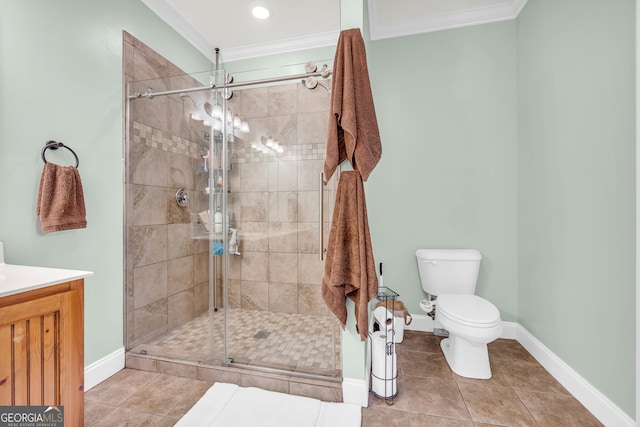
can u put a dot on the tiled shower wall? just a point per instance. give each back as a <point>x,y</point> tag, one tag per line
<point>166,271</point>
<point>274,200</point>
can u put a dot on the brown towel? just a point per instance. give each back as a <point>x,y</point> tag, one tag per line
<point>60,199</point>
<point>353,128</point>
<point>349,269</point>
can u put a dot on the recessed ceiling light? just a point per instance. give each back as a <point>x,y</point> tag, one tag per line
<point>260,12</point>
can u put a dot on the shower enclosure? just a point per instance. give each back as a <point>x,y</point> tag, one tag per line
<point>226,220</point>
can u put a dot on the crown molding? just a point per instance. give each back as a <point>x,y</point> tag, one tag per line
<point>423,24</point>
<point>182,27</point>
<point>282,46</point>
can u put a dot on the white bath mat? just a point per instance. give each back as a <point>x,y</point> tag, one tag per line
<point>229,405</point>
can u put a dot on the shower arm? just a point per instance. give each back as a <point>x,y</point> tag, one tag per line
<point>150,94</point>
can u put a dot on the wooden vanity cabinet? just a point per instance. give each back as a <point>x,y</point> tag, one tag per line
<point>42,349</point>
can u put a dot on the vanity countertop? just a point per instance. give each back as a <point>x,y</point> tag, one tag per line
<point>15,279</point>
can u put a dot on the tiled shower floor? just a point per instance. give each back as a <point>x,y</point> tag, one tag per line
<point>292,342</point>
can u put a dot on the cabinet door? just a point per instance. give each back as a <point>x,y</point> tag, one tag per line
<point>41,354</point>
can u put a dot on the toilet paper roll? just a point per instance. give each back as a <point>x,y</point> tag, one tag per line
<point>384,388</point>
<point>384,368</point>
<point>383,355</point>
<point>398,329</point>
<point>384,317</point>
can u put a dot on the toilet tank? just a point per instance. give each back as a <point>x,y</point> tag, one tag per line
<point>448,271</point>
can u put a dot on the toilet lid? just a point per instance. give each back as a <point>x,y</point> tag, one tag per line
<point>471,310</point>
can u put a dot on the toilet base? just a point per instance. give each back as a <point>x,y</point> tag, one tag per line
<point>465,358</point>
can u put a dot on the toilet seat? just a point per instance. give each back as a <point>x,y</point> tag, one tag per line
<point>468,310</point>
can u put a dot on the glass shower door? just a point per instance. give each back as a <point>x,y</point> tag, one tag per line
<point>275,314</point>
<point>172,310</point>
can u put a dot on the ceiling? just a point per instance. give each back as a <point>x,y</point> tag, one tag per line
<point>301,24</point>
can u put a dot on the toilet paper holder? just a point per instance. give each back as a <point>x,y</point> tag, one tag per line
<point>384,370</point>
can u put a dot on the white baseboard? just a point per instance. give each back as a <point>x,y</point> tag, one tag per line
<point>598,404</point>
<point>509,330</point>
<point>102,369</point>
<point>355,392</point>
<point>420,322</point>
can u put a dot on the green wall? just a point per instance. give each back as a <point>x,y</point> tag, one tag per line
<point>576,187</point>
<point>61,78</point>
<point>446,107</point>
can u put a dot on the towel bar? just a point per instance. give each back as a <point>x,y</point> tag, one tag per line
<point>54,145</point>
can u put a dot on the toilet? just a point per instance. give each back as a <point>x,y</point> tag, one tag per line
<point>449,278</point>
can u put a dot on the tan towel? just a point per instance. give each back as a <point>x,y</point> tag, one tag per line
<point>60,199</point>
<point>353,128</point>
<point>349,269</point>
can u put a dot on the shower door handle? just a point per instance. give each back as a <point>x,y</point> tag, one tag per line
<point>321,222</point>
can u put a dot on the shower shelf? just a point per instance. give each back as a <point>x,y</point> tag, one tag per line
<point>199,230</point>
<point>206,236</point>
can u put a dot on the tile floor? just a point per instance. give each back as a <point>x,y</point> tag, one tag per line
<point>521,393</point>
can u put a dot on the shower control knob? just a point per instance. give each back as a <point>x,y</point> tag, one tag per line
<point>182,198</point>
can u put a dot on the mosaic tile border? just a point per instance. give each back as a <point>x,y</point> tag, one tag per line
<point>156,138</point>
<point>151,137</point>
<point>292,152</point>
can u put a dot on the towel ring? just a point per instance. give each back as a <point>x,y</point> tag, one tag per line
<point>54,145</point>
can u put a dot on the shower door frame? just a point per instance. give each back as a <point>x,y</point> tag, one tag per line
<point>224,358</point>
